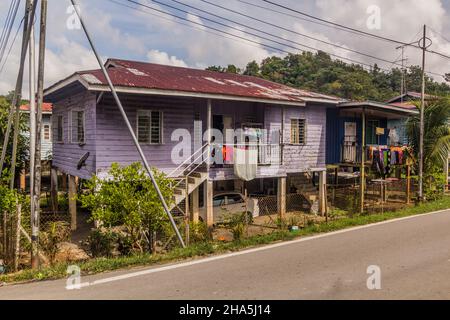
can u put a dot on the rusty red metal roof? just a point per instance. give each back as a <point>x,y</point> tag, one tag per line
<point>405,105</point>
<point>46,107</point>
<point>142,75</point>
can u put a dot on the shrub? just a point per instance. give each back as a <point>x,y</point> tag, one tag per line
<point>56,233</point>
<point>129,199</point>
<point>102,242</point>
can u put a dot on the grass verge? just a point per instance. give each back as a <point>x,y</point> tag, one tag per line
<point>208,248</point>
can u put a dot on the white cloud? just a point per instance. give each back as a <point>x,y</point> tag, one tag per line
<point>156,56</point>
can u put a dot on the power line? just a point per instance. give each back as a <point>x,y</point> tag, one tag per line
<point>7,21</point>
<point>340,25</point>
<point>184,24</point>
<point>294,16</point>
<point>256,35</point>
<point>285,29</point>
<point>11,46</point>
<point>7,33</point>
<point>272,35</point>
<point>356,30</point>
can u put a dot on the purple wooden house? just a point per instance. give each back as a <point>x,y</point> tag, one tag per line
<point>171,109</point>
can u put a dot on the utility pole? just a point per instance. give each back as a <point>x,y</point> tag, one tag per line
<point>32,75</point>
<point>15,104</point>
<point>422,109</point>
<point>40,99</point>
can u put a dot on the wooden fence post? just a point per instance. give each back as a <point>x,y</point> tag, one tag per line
<point>19,223</point>
<point>73,202</point>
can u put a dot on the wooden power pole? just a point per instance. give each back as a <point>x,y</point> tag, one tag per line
<point>422,110</point>
<point>38,169</point>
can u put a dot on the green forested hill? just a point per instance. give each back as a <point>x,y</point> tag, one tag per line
<point>318,72</point>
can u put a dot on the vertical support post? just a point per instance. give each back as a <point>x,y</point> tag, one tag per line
<point>186,210</point>
<point>282,135</point>
<point>195,205</point>
<point>408,184</point>
<point>209,183</point>
<point>422,115</point>
<point>64,182</point>
<point>209,204</point>
<point>73,202</point>
<point>281,197</point>
<point>322,192</point>
<point>363,160</point>
<point>38,161</point>
<point>446,162</point>
<point>54,189</point>
<point>23,176</point>
<point>18,226</point>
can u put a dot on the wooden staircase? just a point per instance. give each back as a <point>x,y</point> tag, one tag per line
<point>188,176</point>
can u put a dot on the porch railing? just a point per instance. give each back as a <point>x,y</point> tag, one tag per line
<point>267,154</point>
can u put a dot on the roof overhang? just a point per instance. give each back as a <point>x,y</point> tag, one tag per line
<point>376,109</point>
<point>145,91</point>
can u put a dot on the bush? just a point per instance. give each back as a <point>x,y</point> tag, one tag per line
<point>102,242</point>
<point>129,199</point>
<point>56,233</point>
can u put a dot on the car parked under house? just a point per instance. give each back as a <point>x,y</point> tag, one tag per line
<point>171,110</point>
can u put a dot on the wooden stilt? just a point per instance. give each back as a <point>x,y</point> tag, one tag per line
<point>322,192</point>
<point>23,175</point>
<point>54,189</point>
<point>281,198</point>
<point>73,202</point>
<point>209,204</point>
<point>195,205</point>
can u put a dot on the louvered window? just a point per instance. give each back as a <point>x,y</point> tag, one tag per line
<point>298,131</point>
<point>78,127</point>
<point>149,126</point>
<point>59,129</point>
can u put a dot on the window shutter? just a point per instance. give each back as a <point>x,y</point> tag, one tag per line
<point>78,127</point>
<point>156,127</point>
<point>143,127</point>
<point>298,131</point>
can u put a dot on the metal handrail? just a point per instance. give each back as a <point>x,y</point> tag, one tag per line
<point>187,160</point>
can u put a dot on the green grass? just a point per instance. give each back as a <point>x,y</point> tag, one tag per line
<point>208,248</point>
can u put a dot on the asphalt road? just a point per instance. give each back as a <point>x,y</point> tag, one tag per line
<point>413,255</point>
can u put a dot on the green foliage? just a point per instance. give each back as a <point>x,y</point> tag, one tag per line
<point>436,134</point>
<point>128,199</point>
<point>5,105</point>
<point>319,73</point>
<point>56,233</point>
<point>237,223</point>
<point>102,242</point>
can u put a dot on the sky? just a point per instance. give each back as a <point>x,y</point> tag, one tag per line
<point>146,35</point>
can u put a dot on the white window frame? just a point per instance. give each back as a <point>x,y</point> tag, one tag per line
<point>298,143</point>
<point>71,127</point>
<point>49,132</point>
<point>148,113</point>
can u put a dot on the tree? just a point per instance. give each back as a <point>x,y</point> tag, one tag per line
<point>23,142</point>
<point>252,69</point>
<point>436,134</point>
<point>129,199</point>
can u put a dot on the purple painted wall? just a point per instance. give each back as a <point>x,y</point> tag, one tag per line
<point>108,140</point>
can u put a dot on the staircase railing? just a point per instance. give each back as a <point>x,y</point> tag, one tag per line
<point>193,158</point>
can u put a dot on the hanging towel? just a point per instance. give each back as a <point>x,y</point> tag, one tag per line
<point>246,163</point>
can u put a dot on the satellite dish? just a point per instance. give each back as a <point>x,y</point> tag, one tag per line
<point>82,162</point>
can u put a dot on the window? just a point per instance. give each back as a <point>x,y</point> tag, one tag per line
<point>78,130</point>
<point>234,199</point>
<point>46,132</point>
<point>59,129</point>
<point>371,132</point>
<point>298,131</point>
<point>149,126</point>
<point>219,201</point>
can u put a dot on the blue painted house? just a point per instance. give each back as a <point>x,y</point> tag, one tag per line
<point>171,110</point>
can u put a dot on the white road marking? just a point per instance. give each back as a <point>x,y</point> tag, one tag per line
<point>248,251</point>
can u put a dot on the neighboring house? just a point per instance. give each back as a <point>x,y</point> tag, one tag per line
<point>89,133</point>
<point>46,133</point>
<point>344,129</point>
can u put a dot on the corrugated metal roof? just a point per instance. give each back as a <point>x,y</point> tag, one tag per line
<point>142,75</point>
<point>46,107</point>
